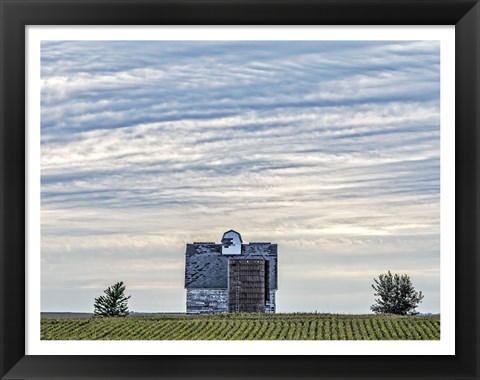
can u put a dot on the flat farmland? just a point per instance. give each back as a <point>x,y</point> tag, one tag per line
<point>298,326</point>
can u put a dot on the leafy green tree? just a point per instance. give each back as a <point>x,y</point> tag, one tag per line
<point>114,303</point>
<point>396,295</point>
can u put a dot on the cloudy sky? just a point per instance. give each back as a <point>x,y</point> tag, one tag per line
<point>329,149</point>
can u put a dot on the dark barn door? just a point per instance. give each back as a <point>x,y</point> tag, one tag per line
<point>246,286</point>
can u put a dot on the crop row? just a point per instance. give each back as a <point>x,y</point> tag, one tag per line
<point>195,328</point>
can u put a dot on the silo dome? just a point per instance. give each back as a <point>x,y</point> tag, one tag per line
<point>231,243</point>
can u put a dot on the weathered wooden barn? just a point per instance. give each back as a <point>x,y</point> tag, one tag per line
<point>230,276</point>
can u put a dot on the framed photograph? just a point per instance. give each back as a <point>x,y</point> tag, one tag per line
<point>314,163</point>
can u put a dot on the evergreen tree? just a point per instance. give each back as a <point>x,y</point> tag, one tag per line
<point>397,295</point>
<point>113,303</point>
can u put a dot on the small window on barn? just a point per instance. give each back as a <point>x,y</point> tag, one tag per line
<point>231,243</point>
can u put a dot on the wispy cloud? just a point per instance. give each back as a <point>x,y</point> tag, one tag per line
<point>330,149</point>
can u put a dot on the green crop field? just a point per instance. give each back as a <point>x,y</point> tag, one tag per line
<point>301,326</point>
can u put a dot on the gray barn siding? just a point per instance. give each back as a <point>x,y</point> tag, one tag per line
<point>271,302</point>
<point>207,301</point>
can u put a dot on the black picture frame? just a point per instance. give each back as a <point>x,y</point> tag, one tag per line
<point>17,14</point>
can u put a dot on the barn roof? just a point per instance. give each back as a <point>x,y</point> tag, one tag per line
<point>206,267</point>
